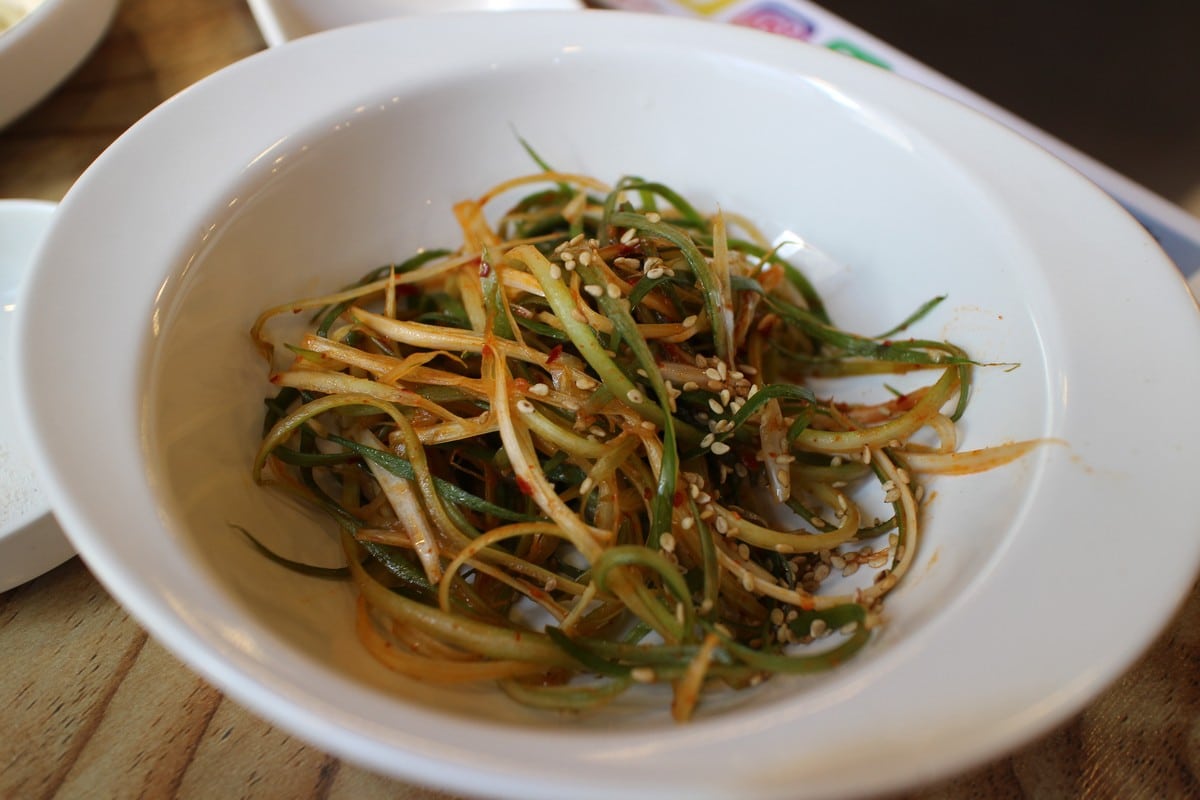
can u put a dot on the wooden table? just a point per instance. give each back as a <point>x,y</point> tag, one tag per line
<point>91,707</point>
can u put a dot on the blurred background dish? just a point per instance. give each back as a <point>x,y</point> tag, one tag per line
<point>45,41</point>
<point>283,20</point>
<point>31,541</point>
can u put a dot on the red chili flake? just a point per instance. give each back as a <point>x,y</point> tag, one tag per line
<point>485,269</point>
<point>275,378</point>
<point>521,385</point>
<point>487,350</point>
<point>675,352</point>
<point>524,486</point>
<point>750,459</point>
<point>679,498</point>
<point>554,353</point>
<point>407,289</point>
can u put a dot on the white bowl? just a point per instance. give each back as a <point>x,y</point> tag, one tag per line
<point>30,540</point>
<point>312,162</point>
<point>44,46</point>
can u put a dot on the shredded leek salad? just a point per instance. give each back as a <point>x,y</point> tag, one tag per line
<point>558,455</point>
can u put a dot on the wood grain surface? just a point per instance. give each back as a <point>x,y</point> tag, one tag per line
<point>91,707</point>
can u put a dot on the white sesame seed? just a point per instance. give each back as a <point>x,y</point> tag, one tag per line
<point>653,216</point>
<point>818,628</point>
<point>613,290</point>
<point>690,320</point>
<point>690,386</point>
<point>655,273</point>
<point>777,616</point>
<point>594,290</point>
<point>716,406</point>
<point>722,525</point>
<point>782,476</point>
<point>586,485</point>
<point>627,236</point>
<point>712,374</point>
<point>555,272</point>
<point>725,397</point>
<point>585,383</point>
<point>719,448</point>
<point>540,389</point>
<point>708,440</point>
<point>647,425</point>
<point>722,370</point>
<point>642,674</point>
<point>667,542</point>
<point>747,581</point>
<point>866,454</point>
<point>850,569</point>
<point>704,498</point>
<point>585,257</point>
<point>753,391</point>
<point>687,523</point>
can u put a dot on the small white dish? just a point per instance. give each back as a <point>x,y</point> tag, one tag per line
<point>31,542</point>
<point>1030,596</point>
<point>283,20</point>
<point>41,48</point>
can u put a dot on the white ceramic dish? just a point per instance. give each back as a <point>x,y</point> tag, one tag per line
<point>44,47</point>
<point>283,20</point>
<point>30,540</point>
<point>1020,610</point>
